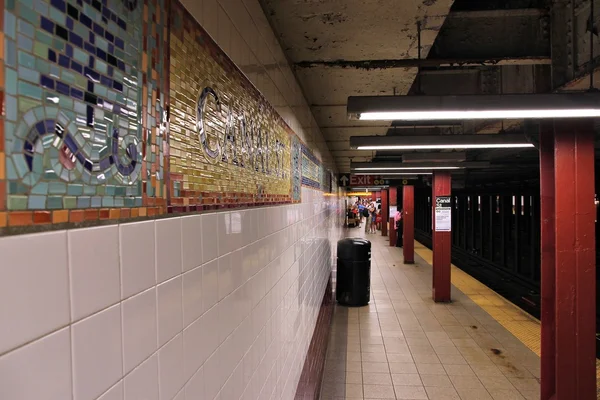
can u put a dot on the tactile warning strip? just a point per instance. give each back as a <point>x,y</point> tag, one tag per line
<point>520,324</point>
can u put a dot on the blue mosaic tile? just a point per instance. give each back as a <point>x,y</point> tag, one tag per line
<point>74,128</point>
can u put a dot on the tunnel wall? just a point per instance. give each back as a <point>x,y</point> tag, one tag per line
<point>166,217</point>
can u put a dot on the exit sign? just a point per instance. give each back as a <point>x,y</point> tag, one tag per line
<point>367,180</point>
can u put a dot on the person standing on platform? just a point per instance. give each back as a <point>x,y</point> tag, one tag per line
<point>367,214</point>
<point>399,228</point>
<point>373,212</point>
<point>361,210</point>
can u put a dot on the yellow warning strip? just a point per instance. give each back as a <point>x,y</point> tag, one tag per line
<point>520,324</point>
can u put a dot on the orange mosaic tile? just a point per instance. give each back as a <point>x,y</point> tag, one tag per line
<point>20,218</point>
<point>90,215</point>
<point>42,217</point>
<point>115,213</point>
<point>76,216</point>
<point>60,216</point>
<point>3,219</point>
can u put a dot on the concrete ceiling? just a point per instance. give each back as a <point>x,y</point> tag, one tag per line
<point>342,48</point>
<point>352,30</point>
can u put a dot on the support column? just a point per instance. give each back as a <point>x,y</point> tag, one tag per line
<point>575,260</point>
<point>548,363</point>
<point>393,194</point>
<point>408,217</point>
<point>442,241</point>
<point>385,210</point>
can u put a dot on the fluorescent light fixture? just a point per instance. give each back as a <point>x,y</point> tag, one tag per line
<point>402,168</point>
<point>483,141</point>
<point>469,107</point>
<point>380,172</point>
<point>398,166</point>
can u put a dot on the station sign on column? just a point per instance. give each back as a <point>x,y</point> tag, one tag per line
<point>443,214</point>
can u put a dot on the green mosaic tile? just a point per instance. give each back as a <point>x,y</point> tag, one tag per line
<point>17,202</point>
<point>40,188</point>
<point>40,49</point>
<point>11,81</point>
<point>54,202</point>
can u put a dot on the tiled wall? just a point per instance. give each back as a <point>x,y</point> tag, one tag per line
<point>120,306</point>
<point>221,305</point>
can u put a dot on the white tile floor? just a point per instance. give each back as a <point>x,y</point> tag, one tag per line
<point>404,346</point>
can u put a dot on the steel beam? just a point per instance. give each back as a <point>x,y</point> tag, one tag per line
<point>575,260</point>
<point>408,217</point>
<point>442,242</point>
<point>425,62</point>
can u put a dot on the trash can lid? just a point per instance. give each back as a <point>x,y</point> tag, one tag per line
<point>355,242</point>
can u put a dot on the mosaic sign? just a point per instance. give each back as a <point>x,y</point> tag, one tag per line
<point>228,145</point>
<point>311,169</point>
<point>83,124</point>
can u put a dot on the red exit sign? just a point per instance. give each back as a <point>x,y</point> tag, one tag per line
<point>366,180</point>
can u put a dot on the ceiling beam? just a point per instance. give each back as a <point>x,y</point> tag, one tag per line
<point>430,62</point>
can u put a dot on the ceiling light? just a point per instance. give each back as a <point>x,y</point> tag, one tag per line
<point>437,108</point>
<point>379,172</point>
<point>402,168</point>
<point>441,142</point>
<point>391,166</point>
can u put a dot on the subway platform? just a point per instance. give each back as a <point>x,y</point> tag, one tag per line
<point>405,346</point>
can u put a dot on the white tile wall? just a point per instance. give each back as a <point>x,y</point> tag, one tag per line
<point>237,326</point>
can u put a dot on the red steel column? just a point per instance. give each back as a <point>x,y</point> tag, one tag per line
<point>385,210</point>
<point>575,260</point>
<point>548,266</point>
<point>408,217</point>
<point>442,242</point>
<point>393,196</point>
<point>373,195</point>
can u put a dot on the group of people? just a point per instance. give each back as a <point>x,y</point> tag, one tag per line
<point>370,211</point>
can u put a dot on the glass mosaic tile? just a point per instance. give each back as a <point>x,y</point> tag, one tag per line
<point>74,124</point>
<point>228,145</point>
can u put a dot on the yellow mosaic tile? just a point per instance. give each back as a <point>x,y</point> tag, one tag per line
<point>244,154</point>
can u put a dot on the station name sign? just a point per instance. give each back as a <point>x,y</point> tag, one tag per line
<point>243,142</point>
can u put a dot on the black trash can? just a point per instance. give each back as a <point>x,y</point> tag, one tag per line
<point>353,283</point>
